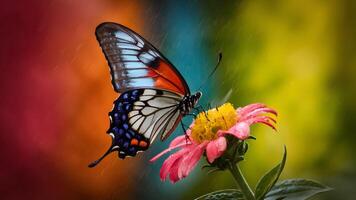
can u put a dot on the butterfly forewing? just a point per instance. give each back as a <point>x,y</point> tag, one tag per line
<point>135,63</point>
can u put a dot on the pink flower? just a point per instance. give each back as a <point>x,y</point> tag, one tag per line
<point>207,134</point>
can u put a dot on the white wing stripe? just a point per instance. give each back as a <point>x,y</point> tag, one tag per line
<point>145,98</point>
<point>159,102</point>
<point>134,119</point>
<point>148,110</point>
<point>137,123</point>
<point>139,103</point>
<point>133,113</point>
<point>124,36</point>
<point>155,113</point>
<point>149,92</point>
<point>162,127</point>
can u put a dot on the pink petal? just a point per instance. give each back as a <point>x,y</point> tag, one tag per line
<point>171,161</point>
<point>263,119</point>
<point>178,140</point>
<point>170,148</point>
<point>215,148</point>
<point>173,174</point>
<point>257,112</point>
<point>263,110</point>
<point>244,110</point>
<point>191,160</point>
<point>252,114</point>
<point>240,130</point>
<point>182,139</point>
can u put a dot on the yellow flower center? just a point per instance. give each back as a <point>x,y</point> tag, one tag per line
<point>208,123</point>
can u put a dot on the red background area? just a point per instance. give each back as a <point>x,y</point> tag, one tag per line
<point>55,96</point>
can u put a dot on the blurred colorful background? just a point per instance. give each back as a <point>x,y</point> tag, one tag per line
<point>296,56</point>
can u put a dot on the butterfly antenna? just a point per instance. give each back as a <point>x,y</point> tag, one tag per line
<point>93,164</point>
<point>212,72</point>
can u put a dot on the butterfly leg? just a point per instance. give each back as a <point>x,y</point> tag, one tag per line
<point>209,106</point>
<point>187,139</point>
<point>199,108</point>
<point>184,127</point>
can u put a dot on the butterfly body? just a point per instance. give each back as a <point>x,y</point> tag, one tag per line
<point>189,102</point>
<point>154,96</point>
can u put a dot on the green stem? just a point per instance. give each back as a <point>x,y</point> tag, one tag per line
<point>241,181</point>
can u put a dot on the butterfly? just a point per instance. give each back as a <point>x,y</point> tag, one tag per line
<point>154,96</point>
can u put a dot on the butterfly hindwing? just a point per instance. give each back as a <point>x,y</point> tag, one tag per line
<point>139,116</point>
<point>135,63</point>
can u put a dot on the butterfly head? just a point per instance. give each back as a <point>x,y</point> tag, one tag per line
<point>196,97</point>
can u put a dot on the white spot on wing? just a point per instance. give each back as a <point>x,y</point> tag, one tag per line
<point>124,36</point>
<point>133,65</point>
<point>137,72</point>
<point>139,103</point>
<point>160,122</point>
<point>179,97</point>
<point>137,123</point>
<point>148,122</point>
<point>140,44</point>
<point>162,102</point>
<point>137,107</point>
<point>145,98</point>
<point>129,51</point>
<point>133,113</point>
<point>148,110</point>
<point>149,92</point>
<point>134,119</point>
<point>127,46</point>
<point>146,56</point>
<point>142,82</point>
<point>153,53</point>
<point>129,58</point>
<point>171,124</point>
<point>139,40</point>
<point>148,133</point>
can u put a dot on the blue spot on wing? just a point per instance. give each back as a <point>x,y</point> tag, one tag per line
<point>120,127</point>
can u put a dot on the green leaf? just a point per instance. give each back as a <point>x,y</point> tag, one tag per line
<point>296,189</point>
<point>228,194</point>
<point>266,183</point>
